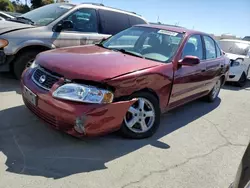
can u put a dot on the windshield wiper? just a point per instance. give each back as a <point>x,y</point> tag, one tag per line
<point>19,18</point>
<point>129,53</point>
<point>101,45</point>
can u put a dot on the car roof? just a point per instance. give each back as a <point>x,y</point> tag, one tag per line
<point>101,6</point>
<point>236,40</point>
<point>177,29</point>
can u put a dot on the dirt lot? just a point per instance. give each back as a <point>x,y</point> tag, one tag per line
<point>198,145</point>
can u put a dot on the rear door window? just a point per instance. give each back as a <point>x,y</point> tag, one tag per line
<point>210,47</point>
<point>218,51</point>
<point>113,22</point>
<point>84,20</point>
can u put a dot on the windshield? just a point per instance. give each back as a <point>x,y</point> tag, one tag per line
<point>149,43</point>
<point>47,14</point>
<point>235,47</point>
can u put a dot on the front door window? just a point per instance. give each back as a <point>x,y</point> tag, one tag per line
<point>84,20</point>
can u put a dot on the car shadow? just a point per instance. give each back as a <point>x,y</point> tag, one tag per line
<point>9,83</point>
<point>32,148</point>
<point>233,87</point>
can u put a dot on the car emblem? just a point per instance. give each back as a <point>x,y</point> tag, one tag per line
<point>42,79</point>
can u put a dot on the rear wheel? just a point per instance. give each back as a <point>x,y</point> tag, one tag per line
<point>142,118</point>
<point>212,96</point>
<point>243,80</point>
<point>23,61</point>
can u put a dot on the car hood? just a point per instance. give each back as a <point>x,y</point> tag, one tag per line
<point>9,26</point>
<point>91,63</point>
<point>234,56</point>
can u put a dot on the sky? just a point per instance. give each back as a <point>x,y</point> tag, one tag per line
<point>210,16</point>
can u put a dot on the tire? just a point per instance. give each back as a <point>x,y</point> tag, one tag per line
<point>213,95</point>
<point>22,61</point>
<point>152,123</point>
<point>243,80</point>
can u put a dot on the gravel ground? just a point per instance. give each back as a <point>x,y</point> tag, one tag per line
<point>197,145</point>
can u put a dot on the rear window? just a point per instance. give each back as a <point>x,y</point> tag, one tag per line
<point>113,22</point>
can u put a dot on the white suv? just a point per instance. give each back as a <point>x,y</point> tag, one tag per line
<point>238,51</point>
<point>55,26</point>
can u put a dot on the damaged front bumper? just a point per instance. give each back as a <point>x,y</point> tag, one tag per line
<point>5,61</point>
<point>77,119</point>
<point>2,57</point>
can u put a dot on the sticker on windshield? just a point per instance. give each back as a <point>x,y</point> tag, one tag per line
<point>66,6</point>
<point>165,32</point>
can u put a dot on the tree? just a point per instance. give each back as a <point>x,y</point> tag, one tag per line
<point>19,7</point>
<point>6,5</point>
<point>39,3</point>
<point>46,2</point>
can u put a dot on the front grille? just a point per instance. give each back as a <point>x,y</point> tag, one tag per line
<point>48,78</point>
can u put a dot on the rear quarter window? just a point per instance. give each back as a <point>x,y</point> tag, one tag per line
<point>133,20</point>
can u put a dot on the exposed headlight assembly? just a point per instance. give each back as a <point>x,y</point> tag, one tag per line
<point>3,43</point>
<point>237,62</point>
<point>83,93</point>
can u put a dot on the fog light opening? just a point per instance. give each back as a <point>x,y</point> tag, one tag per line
<point>79,124</point>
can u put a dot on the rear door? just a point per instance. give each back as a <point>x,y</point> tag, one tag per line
<point>189,81</point>
<point>214,61</point>
<point>85,30</point>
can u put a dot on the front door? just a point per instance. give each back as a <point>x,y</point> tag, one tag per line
<point>85,30</point>
<point>189,81</point>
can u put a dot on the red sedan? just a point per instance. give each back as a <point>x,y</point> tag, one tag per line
<point>125,82</point>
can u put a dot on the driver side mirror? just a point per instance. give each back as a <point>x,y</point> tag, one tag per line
<point>66,24</point>
<point>189,61</point>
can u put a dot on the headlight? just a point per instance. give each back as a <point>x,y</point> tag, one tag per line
<point>237,62</point>
<point>33,65</point>
<point>3,43</point>
<point>83,93</point>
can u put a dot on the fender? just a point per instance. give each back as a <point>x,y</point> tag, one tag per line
<point>15,50</point>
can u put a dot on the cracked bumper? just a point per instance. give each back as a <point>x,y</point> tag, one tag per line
<point>235,74</point>
<point>99,119</point>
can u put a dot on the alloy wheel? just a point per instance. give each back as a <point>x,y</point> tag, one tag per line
<point>216,89</point>
<point>140,116</point>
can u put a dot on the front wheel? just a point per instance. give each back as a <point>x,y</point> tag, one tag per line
<point>23,61</point>
<point>142,118</point>
<point>243,80</point>
<point>212,96</point>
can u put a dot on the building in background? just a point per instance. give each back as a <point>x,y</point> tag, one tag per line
<point>225,36</point>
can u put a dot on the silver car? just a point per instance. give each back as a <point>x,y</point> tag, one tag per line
<point>58,25</point>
